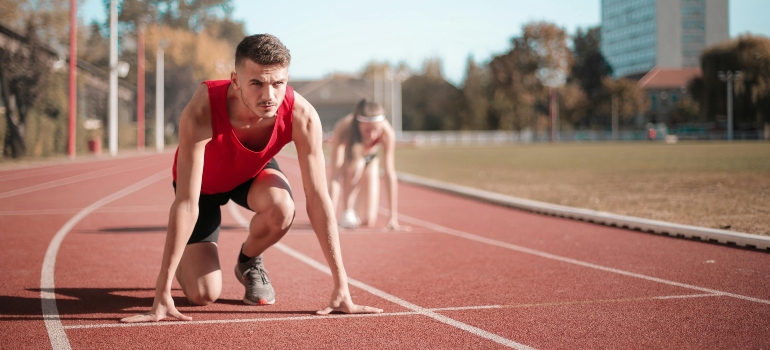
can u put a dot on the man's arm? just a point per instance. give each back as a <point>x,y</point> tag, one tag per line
<point>194,134</point>
<point>307,136</point>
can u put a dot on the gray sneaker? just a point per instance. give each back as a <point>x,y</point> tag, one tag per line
<point>253,276</point>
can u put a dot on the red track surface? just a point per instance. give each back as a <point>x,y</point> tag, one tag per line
<point>469,275</point>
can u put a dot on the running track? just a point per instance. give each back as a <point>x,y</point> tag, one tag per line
<point>82,243</point>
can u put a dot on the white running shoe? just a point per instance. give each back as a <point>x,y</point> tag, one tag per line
<point>349,220</point>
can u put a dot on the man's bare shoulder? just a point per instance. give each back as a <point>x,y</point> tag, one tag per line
<point>303,111</point>
<point>198,110</point>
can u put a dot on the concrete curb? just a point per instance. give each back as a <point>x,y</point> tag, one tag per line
<point>731,238</point>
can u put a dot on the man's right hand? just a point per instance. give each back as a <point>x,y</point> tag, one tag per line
<point>162,307</point>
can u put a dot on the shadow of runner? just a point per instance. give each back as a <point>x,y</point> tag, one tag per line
<point>112,304</point>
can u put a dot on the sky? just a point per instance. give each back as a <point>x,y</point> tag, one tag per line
<point>344,35</point>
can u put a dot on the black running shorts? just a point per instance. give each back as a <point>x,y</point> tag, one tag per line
<point>209,212</point>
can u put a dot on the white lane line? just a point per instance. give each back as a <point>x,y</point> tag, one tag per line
<point>404,313</point>
<point>521,249</point>
<point>576,302</point>
<point>71,179</point>
<point>47,286</point>
<point>393,299</point>
<point>243,320</point>
<point>541,254</point>
<point>36,172</point>
<point>127,209</point>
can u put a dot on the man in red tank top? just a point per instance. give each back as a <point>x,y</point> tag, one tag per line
<point>228,135</point>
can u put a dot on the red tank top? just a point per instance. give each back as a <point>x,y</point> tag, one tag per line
<point>227,163</point>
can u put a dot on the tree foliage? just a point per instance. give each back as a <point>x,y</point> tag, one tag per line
<point>518,78</point>
<point>24,73</point>
<point>25,68</point>
<point>589,68</point>
<point>748,54</point>
<point>429,101</point>
<point>629,97</point>
<point>476,95</point>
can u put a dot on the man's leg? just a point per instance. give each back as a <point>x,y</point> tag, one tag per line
<point>199,273</point>
<point>269,196</point>
<point>369,199</point>
<point>270,199</point>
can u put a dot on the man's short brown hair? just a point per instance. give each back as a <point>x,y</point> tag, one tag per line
<point>264,49</point>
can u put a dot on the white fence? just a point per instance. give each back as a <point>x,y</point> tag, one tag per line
<point>435,138</point>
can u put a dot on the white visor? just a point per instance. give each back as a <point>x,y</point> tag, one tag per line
<point>376,118</point>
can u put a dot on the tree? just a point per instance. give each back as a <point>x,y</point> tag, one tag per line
<point>589,68</point>
<point>630,99</point>
<point>749,54</point>
<point>540,57</point>
<point>23,76</point>
<point>200,36</point>
<point>429,101</point>
<point>189,59</point>
<point>573,103</point>
<point>476,107</point>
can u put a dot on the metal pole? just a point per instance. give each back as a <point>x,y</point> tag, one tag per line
<point>730,107</point>
<point>160,117</point>
<point>729,77</point>
<point>614,117</point>
<point>397,112</point>
<point>140,88</point>
<point>71,146</point>
<point>554,111</point>
<point>113,78</point>
<point>376,96</point>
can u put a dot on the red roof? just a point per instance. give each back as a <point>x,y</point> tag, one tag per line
<point>668,78</point>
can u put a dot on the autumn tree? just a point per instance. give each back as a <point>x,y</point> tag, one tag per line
<point>200,38</point>
<point>573,103</point>
<point>539,58</point>
<point>25,68</point>
<point>476,98</point>
<point>625,96</point>
<point>429,102</point>
<point>589,68</point>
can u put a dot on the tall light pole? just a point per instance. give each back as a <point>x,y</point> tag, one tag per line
<point>729,77</point>
<point>160,117</point>
<point>140,86</point>
<point>553,110</point>
<point>113,103</point>
<point>71,148</point>
<point>614,117</point>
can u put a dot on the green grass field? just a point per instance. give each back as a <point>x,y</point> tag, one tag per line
<point>717,184</point>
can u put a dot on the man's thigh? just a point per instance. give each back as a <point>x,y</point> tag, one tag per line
<point>269,189</point>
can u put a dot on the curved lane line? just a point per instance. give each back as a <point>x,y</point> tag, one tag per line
<point>391,298</point>
<point>70,180</point>
<point>47,287</point>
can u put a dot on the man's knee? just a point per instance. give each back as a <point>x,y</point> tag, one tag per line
<point>204,297</point>
<point>281,216</point>
<point>277,217</point>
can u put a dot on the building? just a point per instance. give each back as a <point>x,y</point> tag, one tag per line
<point>666,87</point>
<point>637,35</point>
<point>335,97</point>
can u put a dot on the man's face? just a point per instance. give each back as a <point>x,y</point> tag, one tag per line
<point>262,88</point>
